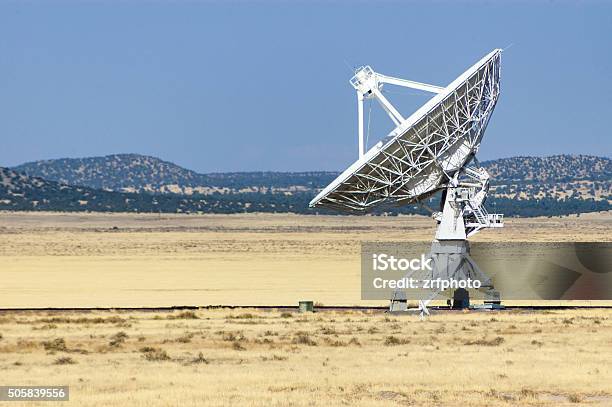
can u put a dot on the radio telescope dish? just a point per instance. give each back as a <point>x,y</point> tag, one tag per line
<point>423,151</point>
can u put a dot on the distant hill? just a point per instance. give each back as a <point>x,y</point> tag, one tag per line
<point>19,192</point>
<point>140,173</point>
<point>557,177</point>
<point>523,186</point>
<point>556,168</point>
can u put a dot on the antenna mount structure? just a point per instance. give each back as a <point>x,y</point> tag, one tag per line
<point>428,152</point>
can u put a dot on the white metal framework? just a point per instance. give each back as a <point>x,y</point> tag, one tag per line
<point>426,151</point>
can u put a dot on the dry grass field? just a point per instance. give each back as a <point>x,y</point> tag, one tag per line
<point>222,356</point>
<point>332,358</point>
<point>124,260</point>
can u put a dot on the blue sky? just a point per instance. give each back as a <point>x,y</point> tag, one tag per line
<point>220,86</point>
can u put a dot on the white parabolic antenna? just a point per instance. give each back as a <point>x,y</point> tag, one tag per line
<point>427,152</point>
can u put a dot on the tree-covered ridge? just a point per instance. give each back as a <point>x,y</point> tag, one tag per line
<point>139,173</point>
<point>19,192</point>
<point>551,186</point>
<point>555,177</point>
<point>556,168</point>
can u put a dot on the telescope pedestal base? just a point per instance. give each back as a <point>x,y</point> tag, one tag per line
<point>452,261</point>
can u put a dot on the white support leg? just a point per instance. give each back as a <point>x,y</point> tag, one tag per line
<point>360,123</point>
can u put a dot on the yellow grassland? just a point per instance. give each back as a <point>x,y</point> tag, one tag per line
<point>224,357</point>
<point>127,260</point>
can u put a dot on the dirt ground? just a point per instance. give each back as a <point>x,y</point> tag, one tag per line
<point>224,357</point>
<point>127,260</point>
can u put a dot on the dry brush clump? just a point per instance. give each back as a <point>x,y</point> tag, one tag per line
<point>575,398</point>
<point>152,354</point>
<point>246,315</point>
<point>486,342</point>
<point>118,339</point>
<point>185,338</point>
<point>65,360</point>
<point>394,340</point>
<point>55,345</point>
<point>183,315</point>
<point>198,360</point>
<point>84,320</point>
<point>273,358</point>
<point>233,336</point>
<point>303,338</point>
<point>237,346</point>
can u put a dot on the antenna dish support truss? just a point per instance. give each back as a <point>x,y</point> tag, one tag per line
<point>369,84</point>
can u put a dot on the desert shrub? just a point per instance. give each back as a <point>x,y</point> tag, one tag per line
<point>55,345</point>
<point>118,339</point>
<point>484,342</point>
<point>246,315</point>
<point>303,338</point>
<point>64,360</point>
<point>183,315</point>
<point>393,340</point>
<point>237,346</point>
<point>185,338</point>
<point>354,341</point>
<point>528,393</point>
<point>84,320</point>
<point>200,359</point>
<point>274,357</point>
<point>154,354</point>
<point>329,331</point>
<point>575,398</point>
<point>45,327</point>
<point>286,315</point>
<point>233,336</point>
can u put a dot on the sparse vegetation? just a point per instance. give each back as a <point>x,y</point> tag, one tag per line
<point>486,342</point>
<point>575,398</point>
<point>183,315</point>
<point>237,346</point>
<point>118,339</point>
<point>64,360</point>
<point>154,354</point>
<point>393,340</point>
<point>303,338</point>
<point>334,344</point>
<point>55,345</point>
<point>200,359</point>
